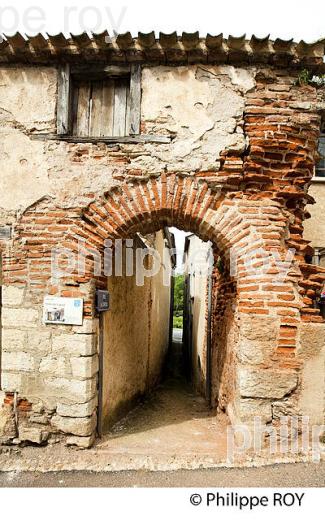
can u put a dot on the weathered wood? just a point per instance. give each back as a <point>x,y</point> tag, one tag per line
<point>134,114</point>
<point>101,115</point>
<point>102,69</point>
<point>128,111</point>
<point>95,118</point>
<point>108,108</point>
<point>63,102</point>
<point>144,138</point>
<point>120,107</point>
<point>83,111</point>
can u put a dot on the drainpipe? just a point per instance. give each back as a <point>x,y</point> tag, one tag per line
<point>209,346</point>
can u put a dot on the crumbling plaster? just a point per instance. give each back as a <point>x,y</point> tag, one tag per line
<point>200,107</point>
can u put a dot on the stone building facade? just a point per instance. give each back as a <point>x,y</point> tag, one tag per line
<point>221,141</point>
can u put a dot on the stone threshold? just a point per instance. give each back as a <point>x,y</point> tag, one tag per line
<point>57,458</point>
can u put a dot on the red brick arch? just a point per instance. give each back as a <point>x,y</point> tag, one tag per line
<point>230,219</point>
<point>177,200</point>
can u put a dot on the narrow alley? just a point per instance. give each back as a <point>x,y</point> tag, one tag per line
<point>172,422</point>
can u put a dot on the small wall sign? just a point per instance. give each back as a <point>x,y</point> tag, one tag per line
<point>102,300</point>
<point>63,311</point>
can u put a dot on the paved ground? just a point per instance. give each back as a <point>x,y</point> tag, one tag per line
<point>172,430</point>
<point>173,421</point>
<point>282,475</point>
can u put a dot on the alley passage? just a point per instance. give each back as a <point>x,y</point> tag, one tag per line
<point>172,422</point>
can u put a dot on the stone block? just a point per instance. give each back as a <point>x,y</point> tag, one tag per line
<point>84,367</point>
<point>72,390</point>
<point>312,340</point>
<point>12,296</point>
<point>265,383</point>
<point>251,408</point>
<point>39,341</point>
<point>80,442</point>
<point>19,361</point>
<point>33,435</point>
<point>285,407</point>
<point>19,318</point>
<point>13,340</point>
<point>7,424</point>
<point>77,410</point>
<point>38,419</point>
<point>259,329</point>
<point>11,382</point>
<point>89,326</point>
<point>255,351</point>
<point>74,344</point>
<point>38,407</point>
<point>55,365</point>
<point>82,427</point>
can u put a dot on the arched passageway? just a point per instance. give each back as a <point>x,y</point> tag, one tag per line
<point>257,296</point>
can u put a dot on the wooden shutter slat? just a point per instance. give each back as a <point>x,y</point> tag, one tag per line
<point>128,112</point>
<point>83,109</point>
<point>135,100</point>
<point>63,102</point>
<point>96,109</point>
<point>75,96</point>
<point>108,108</point>
<point>120,107</point>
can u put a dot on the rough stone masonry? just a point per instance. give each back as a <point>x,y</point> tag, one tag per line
<point>240,132</point>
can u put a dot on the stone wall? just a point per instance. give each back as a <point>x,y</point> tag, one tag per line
<point>236,172</point>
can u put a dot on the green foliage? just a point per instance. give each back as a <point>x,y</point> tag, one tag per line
<point>306,78</point>
<point>177,322</point>
<point>303,77</point>
<point>178,293</point>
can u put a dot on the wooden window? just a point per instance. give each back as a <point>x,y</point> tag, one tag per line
<point>99,102</point>
<point>101,108</point>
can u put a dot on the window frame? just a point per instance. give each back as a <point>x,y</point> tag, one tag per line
<point>66,75</point>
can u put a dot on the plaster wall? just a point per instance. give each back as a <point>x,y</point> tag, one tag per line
<point>201,107</point>
<point>136,332</point>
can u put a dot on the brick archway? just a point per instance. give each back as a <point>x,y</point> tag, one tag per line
<point>259,323</point>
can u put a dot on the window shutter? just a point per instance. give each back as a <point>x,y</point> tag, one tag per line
<point>120,107</point>
<point>135,100</point>
<point>82,116</point>
<point>63,103</point>
<point>104,106</point>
